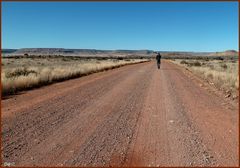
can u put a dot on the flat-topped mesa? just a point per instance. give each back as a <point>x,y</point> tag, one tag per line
<point>78,52</point>
<point>226,53</point>
<point>112,53</point>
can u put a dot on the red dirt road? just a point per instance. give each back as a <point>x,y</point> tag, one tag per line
<point>136,115</point>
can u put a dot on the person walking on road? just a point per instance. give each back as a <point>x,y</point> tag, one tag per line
<point>158,58</point>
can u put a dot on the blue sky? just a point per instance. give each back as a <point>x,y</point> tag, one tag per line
<point>165,26</point>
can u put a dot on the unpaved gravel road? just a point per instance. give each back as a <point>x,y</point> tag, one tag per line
<point>136,115</point>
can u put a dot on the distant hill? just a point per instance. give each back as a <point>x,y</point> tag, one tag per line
<point>7,51</point>
<point>110,53</point>
<point>81,52</point>
<point>225,53</point>
<point>231,53</point>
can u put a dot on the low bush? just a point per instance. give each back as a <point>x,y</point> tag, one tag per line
<point>224,66</point>
<point>19,72</point>
<point>183,62</point>
<point>196,63</point>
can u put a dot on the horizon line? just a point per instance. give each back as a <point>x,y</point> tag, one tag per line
<point>117,49</point>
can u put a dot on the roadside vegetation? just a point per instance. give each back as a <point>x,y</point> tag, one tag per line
<point>221,73</point>
<point>25,73</point>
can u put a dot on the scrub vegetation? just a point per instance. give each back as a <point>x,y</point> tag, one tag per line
<point>26,73</point>
<point>222,73</point>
